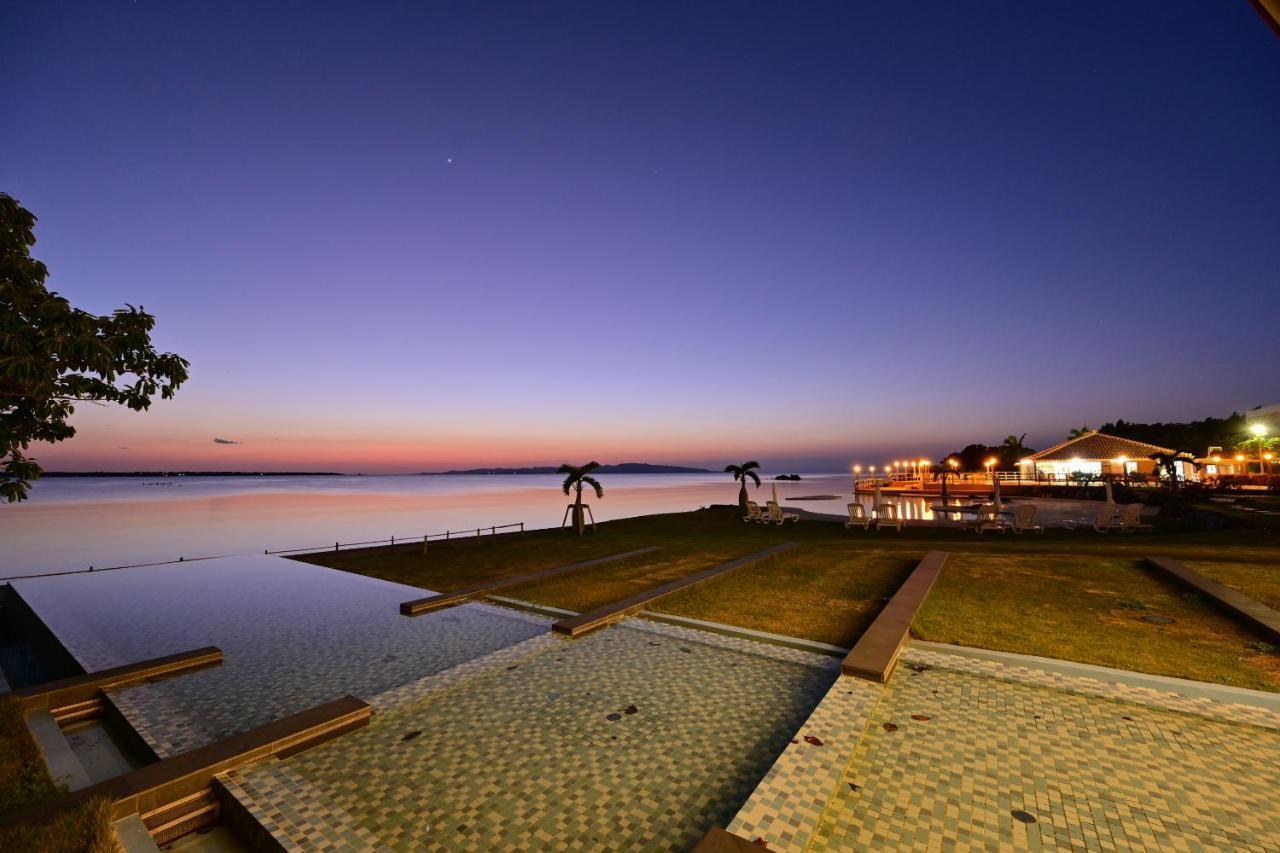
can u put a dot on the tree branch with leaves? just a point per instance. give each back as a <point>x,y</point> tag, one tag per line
<point>53,356</point>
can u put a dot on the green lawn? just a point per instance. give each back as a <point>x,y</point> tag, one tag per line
<point>1076,595</point>
<point>25,782</point>
<point>1091,609</point>
<point>1256,579</point>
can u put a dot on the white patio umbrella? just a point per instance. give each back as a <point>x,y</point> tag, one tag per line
<point>995,494</point>
<point>1106,484</point>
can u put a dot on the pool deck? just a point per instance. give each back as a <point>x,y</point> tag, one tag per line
<point>489,731</point>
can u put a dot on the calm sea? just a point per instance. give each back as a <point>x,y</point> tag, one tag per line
<point>74,523</point>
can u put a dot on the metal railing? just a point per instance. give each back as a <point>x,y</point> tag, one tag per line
<point>475,533</point>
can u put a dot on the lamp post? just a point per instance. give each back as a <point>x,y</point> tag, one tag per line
<point>1260,430</point>
<point>990,462</point>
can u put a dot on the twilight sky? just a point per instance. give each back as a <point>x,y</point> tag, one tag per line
<point>405,236</point>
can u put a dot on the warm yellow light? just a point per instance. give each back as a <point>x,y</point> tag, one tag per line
<point>1120,460</point>
<point>857,469</point>
<point>873,469</point>
<point>1258,429</point>
<point>1267,455</point>
<point>1239,457</point>
<point>924,461</point>
<point>953,463</point>
<point>1217,459</point>
<point>991,461</point>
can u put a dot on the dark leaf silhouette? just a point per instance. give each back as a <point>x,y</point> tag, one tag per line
<point>813,741</point>
<point>411,735</point>
<point>890,727</point>
<point>630,709</point>
<point>921,718</point>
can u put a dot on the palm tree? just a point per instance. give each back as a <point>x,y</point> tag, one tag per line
<point>574,480</point>
<point>742,472</point>
<point>1167,465</point>
<point>942,472</point>
<point>1077,432</point>
<point>1012,450</point>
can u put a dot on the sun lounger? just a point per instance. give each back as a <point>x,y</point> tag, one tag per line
<point>988,519</point>
<point>858,517</point>
<point>774,515</point>
<point>887,516</point>
<point>1130,520</point>
<point>1107,518</point>
<point>753,512</point>
<point>1024,519</point>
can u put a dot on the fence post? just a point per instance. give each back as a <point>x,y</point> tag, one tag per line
<point>477,535</point>
<point>335,547</point>
<point>522,528</point>
<point>424,542</point>
<point>393,544</point>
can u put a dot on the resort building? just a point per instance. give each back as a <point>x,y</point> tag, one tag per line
<point>1095,453</point>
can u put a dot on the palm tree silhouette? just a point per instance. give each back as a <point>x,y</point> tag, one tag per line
<point>1077,432</point>
<point>1167,464</point>
<point>742,472</point>
<point>942,472</point>
<point>575,479</point>
<point>1013,447</point>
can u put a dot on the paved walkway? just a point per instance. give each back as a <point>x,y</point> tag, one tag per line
<point>957,759</point>
<point>639,736</point>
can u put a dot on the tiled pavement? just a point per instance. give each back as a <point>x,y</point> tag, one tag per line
<point>638,737</point>
<point>950,756</point>
<point>942,757</point>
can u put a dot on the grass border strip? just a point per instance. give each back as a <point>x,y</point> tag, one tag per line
<point>576,626</point>
<point>448,599</point>
<point>1258,615</point>
<point>876,653</point>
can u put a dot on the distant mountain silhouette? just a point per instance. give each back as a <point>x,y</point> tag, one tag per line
<point>623,468</point>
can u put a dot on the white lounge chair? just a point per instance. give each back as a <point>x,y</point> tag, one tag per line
<point>1107,518</point>
<point>858,517</point>
<point>988,519</point>
<point>1130,519</point>
<point>753,512</point>
<point>774,515</point>
<point>887,516</point>
<point>1024,519</point>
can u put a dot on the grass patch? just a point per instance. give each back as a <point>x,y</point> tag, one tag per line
<point>826,594</point>
<point>1256,580</point>
<point>83,829</point>
<point>24,780</point>
<point>1076,595</point>
<point>1094,611</point>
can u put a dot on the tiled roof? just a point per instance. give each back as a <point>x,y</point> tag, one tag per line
<point>1098,446</point>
